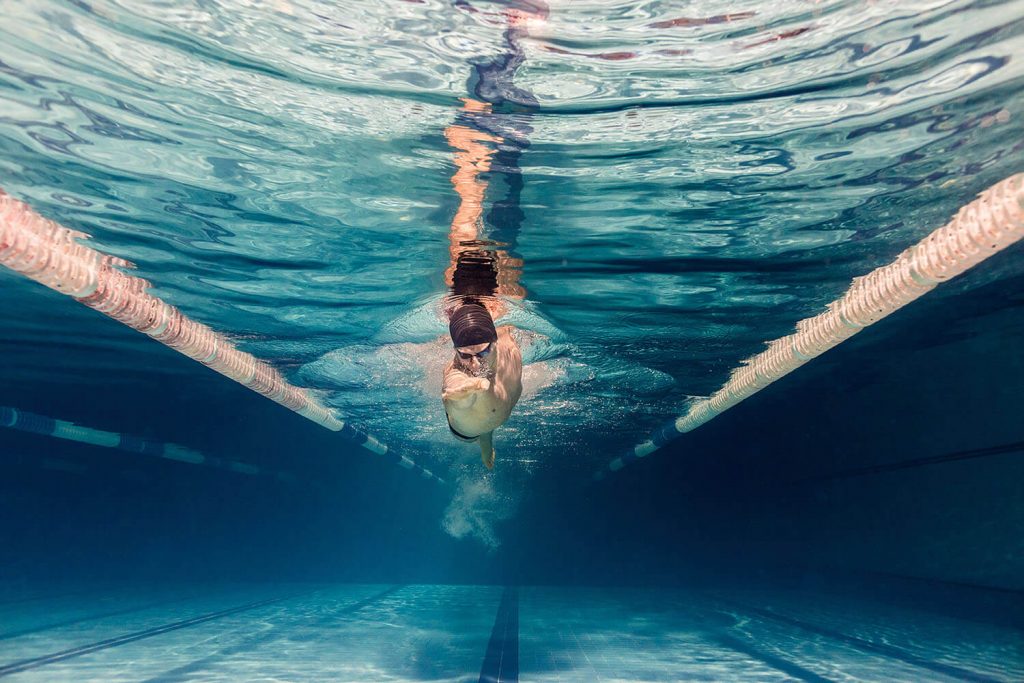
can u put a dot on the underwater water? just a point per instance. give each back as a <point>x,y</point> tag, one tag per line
<point>648,192</point>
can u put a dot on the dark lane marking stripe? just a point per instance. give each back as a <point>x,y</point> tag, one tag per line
<point>92,617</point>
<point>875,648</point>
<point>35,662</point>
<point>943,584</point>
<point>778,663</point>
<point>355,607</point>
<point>1015,447</point>
<point>186,672</point>
<point>989,605</point>
<point>501,663</point>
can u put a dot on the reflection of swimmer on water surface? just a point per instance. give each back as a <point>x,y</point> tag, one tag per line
<point>479,268</point>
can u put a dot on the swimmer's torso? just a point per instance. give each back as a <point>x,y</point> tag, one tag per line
<point>477,405</point>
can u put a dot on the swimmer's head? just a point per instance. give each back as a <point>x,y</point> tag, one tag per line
<point>470,325</point>
<point>473,335</point>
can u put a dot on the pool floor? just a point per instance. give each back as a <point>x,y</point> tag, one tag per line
<point>304,632</point>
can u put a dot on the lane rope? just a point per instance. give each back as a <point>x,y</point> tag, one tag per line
<point>52,255</point>
<point>986,226</point>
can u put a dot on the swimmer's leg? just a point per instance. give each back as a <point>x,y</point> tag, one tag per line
<point>487,450</point>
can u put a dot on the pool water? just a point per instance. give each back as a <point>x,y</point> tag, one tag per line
<point>646,192</point>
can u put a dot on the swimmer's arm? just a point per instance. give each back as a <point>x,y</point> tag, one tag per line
<point>508,378</point>
<point>458,385</point>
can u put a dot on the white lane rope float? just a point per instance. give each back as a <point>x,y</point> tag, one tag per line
<point>989,224</point>
<point>52,255</point>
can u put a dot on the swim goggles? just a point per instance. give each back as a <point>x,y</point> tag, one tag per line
<point>479,354</point>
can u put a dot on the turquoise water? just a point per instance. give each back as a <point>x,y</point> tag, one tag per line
<point>282,175</point>
<point>664,187</point>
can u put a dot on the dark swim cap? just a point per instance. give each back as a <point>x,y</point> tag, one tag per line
<point>471,324</point>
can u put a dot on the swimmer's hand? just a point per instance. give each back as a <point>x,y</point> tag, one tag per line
<point>487,456</point>
<point>487,450</point>
<point>462,387</point>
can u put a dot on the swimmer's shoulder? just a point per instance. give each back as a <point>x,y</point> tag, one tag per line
<point>505,333</point>
<point>508,348</point>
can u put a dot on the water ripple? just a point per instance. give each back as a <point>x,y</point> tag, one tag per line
<point>698,177</point>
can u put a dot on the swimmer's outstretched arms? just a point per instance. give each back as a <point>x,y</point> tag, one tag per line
<point>484,379</point>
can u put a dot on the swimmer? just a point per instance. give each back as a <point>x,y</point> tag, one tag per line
<point>484,380</point>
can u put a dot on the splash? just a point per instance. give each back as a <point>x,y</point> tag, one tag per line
<point>476,509</point>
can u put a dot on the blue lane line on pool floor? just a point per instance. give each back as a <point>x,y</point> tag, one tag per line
<point>501,663</point>
<point>36,662</point>
<point>7,635</point>
<point>188,672</point>
<point>774,661</point>
<point>875,648</point>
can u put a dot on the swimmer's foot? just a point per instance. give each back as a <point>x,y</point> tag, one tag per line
<point>487,450</point>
